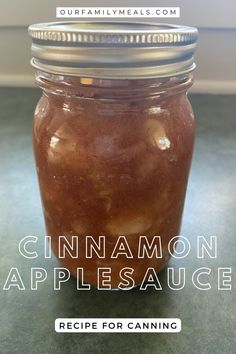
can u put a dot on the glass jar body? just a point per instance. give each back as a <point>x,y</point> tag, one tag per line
<point>113,159</point>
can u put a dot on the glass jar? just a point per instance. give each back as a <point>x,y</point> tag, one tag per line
<point>113,153</point>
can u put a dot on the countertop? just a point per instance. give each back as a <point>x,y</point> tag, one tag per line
<point>208,317</point>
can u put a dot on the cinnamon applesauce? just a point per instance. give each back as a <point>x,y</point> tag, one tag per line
<point>113,156</point>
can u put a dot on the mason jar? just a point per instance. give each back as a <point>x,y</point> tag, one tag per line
<point>113,137</point>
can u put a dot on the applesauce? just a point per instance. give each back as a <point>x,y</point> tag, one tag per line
<point>113,158</point>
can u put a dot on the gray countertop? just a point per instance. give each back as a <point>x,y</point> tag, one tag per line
<point>208,317</point>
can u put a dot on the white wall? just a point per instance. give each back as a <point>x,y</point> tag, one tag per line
<point>215,56</point>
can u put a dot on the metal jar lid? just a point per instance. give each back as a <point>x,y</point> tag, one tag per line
<point>120,50</point>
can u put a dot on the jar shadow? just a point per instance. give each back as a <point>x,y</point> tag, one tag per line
<point>114,303</point>
<point>135,303</point>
